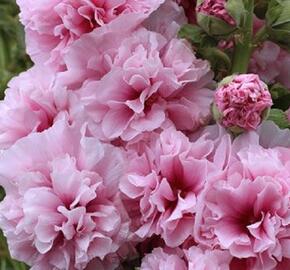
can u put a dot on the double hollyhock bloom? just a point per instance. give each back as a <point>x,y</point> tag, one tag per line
<point>242,101</point>
<point>51,26</point>
<point>195,258</point>
<point>32,104</point>
<point>151,83</point>
<point>200,259</point>
<point>29,106</point>
<point>246,211</point>
<point>271,55</point>
<point>160,183</point>
<point>161,259</point>
<point>62,207</point>
<point>160,79</point>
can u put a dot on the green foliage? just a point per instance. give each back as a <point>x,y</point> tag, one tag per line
<point>279,118</point>
<point>280,96</point>
<point>13,58</point>
<point>278,21</point>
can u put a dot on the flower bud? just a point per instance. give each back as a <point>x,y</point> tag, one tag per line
<point>278,21</point>
<point>241,102</point>
<point>214,18</point>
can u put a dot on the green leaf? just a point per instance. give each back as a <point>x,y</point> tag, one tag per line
<point>192,33</point>
<point>281,96</point>
<point>197,36</point>
<point>215,27</point>
<point>279,117</point>
<point>278,91</point>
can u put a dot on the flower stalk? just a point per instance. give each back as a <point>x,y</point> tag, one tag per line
<point>243,41</point>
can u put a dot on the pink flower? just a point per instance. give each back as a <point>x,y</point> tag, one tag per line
<point>271,55</point>
<point>161,188</point>
<point>151,83</point>
<point>32,104</point>
<point>167,19</point>
<point>161,259</point>
<point>243,101</point>
<point>51,26</point>
<point>247,216</point>
<point>29,106</point>
<point>199,259</point>
<point>62,207</point>
<point>217,9</point>
<point>247,210</point>
<point>92,56</point>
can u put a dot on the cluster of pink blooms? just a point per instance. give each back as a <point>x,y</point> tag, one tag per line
<point>106,156</point>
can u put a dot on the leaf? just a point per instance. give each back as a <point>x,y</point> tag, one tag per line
<point>191,32</point>
<point>279,117</point>
<point>278,91</point>
<point>197,36</point>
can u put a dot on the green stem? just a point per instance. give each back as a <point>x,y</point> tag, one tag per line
<point>243,42</point>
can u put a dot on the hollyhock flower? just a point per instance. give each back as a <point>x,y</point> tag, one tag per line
<point>51,26</point>
<point>93,56</point>
<point>249,216</point>
<point>161,259</point>
<point>151,82</point>
<point>32,103</point>
<point>271,55</point>
<point>271,136</point>
<point>160,188</point>
<point>199,259</point>
<point>62,207</point>
<point>241,102</point>
<point>215,8</point>
<point>29,106</point>
<point>167,19</point>
<point>247,210</point>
